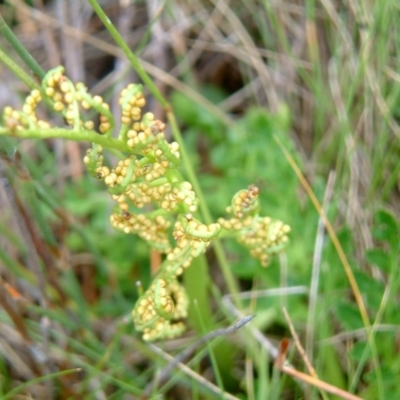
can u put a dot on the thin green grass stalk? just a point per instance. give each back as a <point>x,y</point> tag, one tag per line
<point>147,33</point>
<point>15,267</point>
<point>77,349</point>
<point>179,375</point>
<point>365,355</point>
<point>12,393</point>
<point>366,55</point>
<point>312,78</point>
<point>4,377</point>
<point>195,387</point>
<point>311,327</point>
<point>219,251</point>
<point>45,231</point>
<point>346,266</point>
<point>127,387</point>
<point>20,49</point>
<point>275,384</point>
<point>12,237</point>
<point>390,183</point>
<point>387,298</point>
<point>197,283</point>
<point>327,362</point>
<point>45,194</point>
<point>394,284</point>
<point>265,387</point>
<point>18,71</point>
<point>249,376</point>
<point>344,152</point>
<point>157,367</point>
<point>74,291</point>
<point>339,249</point>
<point>148,82</point>
<point>80,325</point>
<point>282,38</point>
<point>359,370</point>
<point>118,394</point>
<point>378,47</point>
<point>57,315</point>
<point>318,83</point>
<point>213,359</point>
<point>103,361</point>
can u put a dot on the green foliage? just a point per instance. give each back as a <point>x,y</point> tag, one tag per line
<point>343,100</point>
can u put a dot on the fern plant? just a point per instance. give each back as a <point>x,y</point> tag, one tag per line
<point>151,197</point>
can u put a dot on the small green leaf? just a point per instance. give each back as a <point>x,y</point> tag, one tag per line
<point>371,289</point>
<point>357,353</point>
<point>379,258</point>
<point>386,228</point>
<point>348,315</point>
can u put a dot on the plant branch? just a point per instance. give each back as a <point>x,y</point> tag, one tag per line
<point>20,49</point>
<point>18,71</point>
<point>76,135</point>
<point>184,355</point>
<point>129,54</point>
<point>219,251</point>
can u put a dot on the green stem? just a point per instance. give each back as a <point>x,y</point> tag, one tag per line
<point>219,251</point>
<point>20,49</point>
<point>76,135</point>
<point>12,393</point>
<point>18,71</point>
<point>129,54</point>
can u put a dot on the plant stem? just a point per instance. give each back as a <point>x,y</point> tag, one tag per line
<point>20,49</point>
<point>219,251</point>
<point>345,263</point>
<point>148,82</point>
<point>18,71</point>
<point>12,393</point>
<point>69,134</point>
